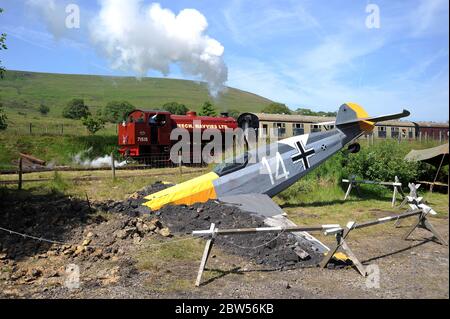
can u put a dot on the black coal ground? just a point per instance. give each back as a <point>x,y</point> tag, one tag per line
<point>271,249</point>
<point>276,250</point>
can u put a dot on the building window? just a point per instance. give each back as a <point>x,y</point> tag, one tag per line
<point>281,128</point>
<point>410,132</point>
<point>264,130</point>
<point>298,128</point>
<point>382,131</point>
<point>315,128</point>
<point>395,132</point>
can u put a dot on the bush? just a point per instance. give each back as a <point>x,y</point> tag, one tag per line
<point>175,108</point>
<point>93,125</point>
<point>381,162</point>
<point>76,109</point>
<point>116,111</point>
<point>44,109</point>
<point>3,118</point>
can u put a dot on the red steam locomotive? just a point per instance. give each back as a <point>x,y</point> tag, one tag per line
<point>146,134</point>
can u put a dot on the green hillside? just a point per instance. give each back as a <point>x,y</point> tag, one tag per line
<point>23,91</point>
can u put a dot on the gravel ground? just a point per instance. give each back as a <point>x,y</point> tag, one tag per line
<point>104,245</point>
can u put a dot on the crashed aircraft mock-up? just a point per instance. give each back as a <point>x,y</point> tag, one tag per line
<point>249,183</point>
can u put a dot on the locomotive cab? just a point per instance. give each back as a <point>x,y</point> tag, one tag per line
<point>145,132</point>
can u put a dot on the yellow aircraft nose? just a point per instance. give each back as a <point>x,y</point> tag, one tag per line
<point>199,189</point>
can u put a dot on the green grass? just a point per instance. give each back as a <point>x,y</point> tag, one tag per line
<point>22,92</point>
<point>58,149</point>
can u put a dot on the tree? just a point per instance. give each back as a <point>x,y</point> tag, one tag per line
<point>208,109</point>
<point>303,111</point>
<point>175,108</point>
<point>116,111</point>
<point>2,47</point>
<point>44,109</point>
<point>93,124</point>
<point>76,109</point>
<point>234,113</point>
<point>276,108</point>
<point>3,118</point>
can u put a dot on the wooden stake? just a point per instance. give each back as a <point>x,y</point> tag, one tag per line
<point>20,173</point>
<point>207,250</point>
<point>113,166</point>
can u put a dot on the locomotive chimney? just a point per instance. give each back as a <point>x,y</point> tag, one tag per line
<point>191,113</point>
<point>224,114</point>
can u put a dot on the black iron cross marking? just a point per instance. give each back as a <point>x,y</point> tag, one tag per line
<point>303,155</point>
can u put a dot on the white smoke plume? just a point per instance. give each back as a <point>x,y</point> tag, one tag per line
<point>140,37</point>
<point>104,161</point>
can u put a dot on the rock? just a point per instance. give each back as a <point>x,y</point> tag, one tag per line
<point>36,273</point>
<point>124,233</point>
<point>90,235</point>
<point>86,242</point>
<point>301,253</point>
<point>136,238</point>
<point>156,223</point>
<point>3,256</point>
<point>151,227</point>
<point>97,253</point>
<point>165,232</point>
<point>79,250</point>
<point>134,196</point>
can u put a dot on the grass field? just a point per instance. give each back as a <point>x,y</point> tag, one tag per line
<point>23,92</point>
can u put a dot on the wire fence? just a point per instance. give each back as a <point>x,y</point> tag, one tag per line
<point>56,129</point>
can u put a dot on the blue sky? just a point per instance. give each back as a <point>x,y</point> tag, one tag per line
<point>314,54</point>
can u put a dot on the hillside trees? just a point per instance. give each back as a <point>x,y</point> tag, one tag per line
<point>208,109</point>
<point>175,108</point>
<point>116,111</point>
<point>276,108</point>
<point>76,109</point>
<point>303,111</point>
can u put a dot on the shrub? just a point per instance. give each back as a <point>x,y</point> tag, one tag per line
<point>93,125</point>
<point>44,109</point>
<point>76,109</point>
<point>175,108</point>
<point>381,162</point>
<point>116,111</point>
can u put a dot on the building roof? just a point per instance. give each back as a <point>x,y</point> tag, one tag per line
<point>318,119</point>
<point>432,124</point>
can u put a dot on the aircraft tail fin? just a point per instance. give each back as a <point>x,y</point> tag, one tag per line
<point>350,114</point>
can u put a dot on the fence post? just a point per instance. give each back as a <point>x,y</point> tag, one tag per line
<point>30,128</point>
<point>113,166</point>
<point>62,128</point>
<point>20,173</point>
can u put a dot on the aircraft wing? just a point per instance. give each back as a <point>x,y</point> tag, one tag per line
<point>258,204</point>
<point>262,205</point>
